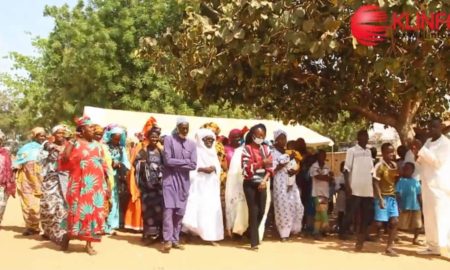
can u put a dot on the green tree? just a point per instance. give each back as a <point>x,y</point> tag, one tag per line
<point>298,60</point>
<point>89,59</point>
<point>342,131</point>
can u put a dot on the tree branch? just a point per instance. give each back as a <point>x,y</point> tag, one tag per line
<point>372,116</point>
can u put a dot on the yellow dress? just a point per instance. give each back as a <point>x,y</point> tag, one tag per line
<point>29,180</point>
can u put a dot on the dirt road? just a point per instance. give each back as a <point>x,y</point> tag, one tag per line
<point>125,251</point>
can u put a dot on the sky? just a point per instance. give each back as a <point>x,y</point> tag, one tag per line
<point>20,21</point>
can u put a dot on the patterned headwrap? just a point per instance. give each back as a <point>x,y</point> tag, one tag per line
<point>212,126</point>
<point>83,121</point>
<point>64,128</point>
<point>98,128</point>
<point>37,131</point>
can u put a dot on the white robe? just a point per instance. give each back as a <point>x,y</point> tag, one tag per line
<point>203,215</point>
<point>434,161</point>
<point>235,202</point>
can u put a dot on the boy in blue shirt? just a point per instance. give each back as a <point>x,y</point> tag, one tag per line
<point>408,192</point>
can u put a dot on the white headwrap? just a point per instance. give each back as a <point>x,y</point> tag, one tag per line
<point>117,130</point>
<point>182,120</point>
<point>206,156</point>
<point>278,132</point>
<point>59,127</point>
<point>2,135</point>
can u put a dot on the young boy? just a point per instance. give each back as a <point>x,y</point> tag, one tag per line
<point>322,176</point>
<point>408,193</point>
<point>340,200</point>
<point>385,176</point>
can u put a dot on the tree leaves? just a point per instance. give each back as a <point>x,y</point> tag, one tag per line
<point>91,58</point>
<point>306,62</point>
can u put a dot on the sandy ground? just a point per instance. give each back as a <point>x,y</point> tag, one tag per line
<point>125,251</point>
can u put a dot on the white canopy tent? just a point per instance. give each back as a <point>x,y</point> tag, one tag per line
<point>134,121</point>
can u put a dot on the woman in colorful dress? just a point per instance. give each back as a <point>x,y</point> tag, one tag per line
<point>98,136</point>
<point>257,169</point>
<point>133,214</point>
<point>148,167</point>
<point>29,180</point>
<point>115,139</point>
<point>54,187</point>
<point>7,183</point>
<point>88,188</point>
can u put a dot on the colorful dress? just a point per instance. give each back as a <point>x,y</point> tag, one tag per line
<point>7,183</point>
<point>86,192</point>
<point>29,181</point>
<point>149,178</point>
<point>119,191</point>
<point>54,187</point>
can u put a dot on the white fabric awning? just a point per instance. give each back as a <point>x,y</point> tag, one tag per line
<point>134,121</point>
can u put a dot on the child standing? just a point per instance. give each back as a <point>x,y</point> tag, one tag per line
<point>386,209</point>
<point>340,199</point>
<point>408,193</point>
<point>322,176</point>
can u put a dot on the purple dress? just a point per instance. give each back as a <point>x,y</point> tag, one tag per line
<point>180,157</point>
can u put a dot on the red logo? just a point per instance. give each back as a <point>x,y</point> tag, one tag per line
<point>369,25</point>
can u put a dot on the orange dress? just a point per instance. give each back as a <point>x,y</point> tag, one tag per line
<point>133,214</point>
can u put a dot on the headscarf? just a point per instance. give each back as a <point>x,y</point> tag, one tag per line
<point>277,133</point>
<point>148,125</point>
<point>213,126</point>
<point>115,130</point>
<point>83,121</point>
<point>29,152</point>
<point>235,133</point>
<point>62,127</point>
<point>206,156</point>
<point>37,131</point>
<point>98,129</point>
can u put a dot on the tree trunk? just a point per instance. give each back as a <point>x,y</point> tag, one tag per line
<point>405,132</point>
<point>401,122</point>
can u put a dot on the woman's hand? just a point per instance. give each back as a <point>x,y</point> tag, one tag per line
<point>262,186</point>
<point>268,162</point>
<point>207,170</point>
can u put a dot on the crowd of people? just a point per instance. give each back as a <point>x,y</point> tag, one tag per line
<point>90,182</point>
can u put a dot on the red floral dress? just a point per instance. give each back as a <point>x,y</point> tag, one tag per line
<point>86,191</point>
